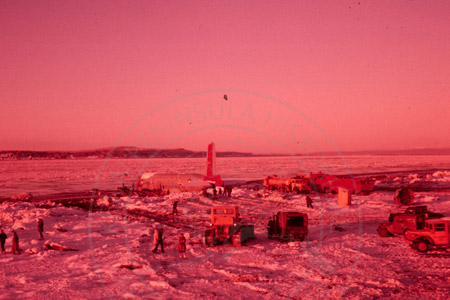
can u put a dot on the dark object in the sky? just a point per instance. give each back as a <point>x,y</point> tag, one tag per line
<point>225,97</point>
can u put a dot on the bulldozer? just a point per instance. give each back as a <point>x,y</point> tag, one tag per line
<point>226,227</point>
<point>288,226</point>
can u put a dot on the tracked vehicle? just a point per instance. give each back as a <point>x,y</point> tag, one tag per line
<point>226,227</point>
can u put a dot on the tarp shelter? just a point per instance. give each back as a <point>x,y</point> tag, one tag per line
<point>404,196</point>
<point>344,197</point>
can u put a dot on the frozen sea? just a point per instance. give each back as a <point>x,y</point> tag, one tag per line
<point>42,177</point>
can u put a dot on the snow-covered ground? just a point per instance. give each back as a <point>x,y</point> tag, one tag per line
<point>354,263</point>
<point>417,180</point>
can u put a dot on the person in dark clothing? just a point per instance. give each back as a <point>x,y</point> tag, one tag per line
<point>309,202</point>
<point>230,189</point>
<point>40,227</point>
<point>182,245</point>
<point>174,208</point>
<point>3,238</point>
<point>15,244</point>
<point>159,240</point>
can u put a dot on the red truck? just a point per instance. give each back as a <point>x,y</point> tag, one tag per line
<point>412,218</point>
<point>326,183</point>
<point>298,184</point>
<point>288,226</point>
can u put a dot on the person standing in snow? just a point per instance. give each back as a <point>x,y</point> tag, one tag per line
<point>158,240</point>
<point>309,202</point>
<point>174,208</point>
<point>40,227</point>
<point>155,239</point>
<point>15,243</point>
<point>3,238</point>
<point>230,189</point>
<point>182,245</point>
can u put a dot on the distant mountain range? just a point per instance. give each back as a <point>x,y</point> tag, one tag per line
<point>418,151</point>
<point>133,152</point>
<point>118,152</point>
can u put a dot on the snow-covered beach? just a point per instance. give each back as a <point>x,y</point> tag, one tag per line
<point>113,244</point>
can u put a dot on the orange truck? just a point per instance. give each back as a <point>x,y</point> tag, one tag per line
<point>298,184</point>
<point>278,183</point>
<point>226,227</point>
<point>301,184</point>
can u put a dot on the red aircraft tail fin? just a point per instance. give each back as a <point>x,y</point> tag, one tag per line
<point>211,160</point>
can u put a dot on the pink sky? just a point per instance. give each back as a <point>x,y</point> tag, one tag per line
<point>88,74</point>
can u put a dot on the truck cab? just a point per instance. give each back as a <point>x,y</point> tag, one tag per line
<point>301,184</point>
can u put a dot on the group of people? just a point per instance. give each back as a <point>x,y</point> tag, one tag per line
<point>226,191</point>
<point>15,249</point>
<point>14,243</point>
<point>158,240</point>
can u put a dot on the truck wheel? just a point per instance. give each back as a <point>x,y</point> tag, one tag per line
<point>209,238</point>
<point>423,246</point>
<point>383,232</point>
<point>236,239</point>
